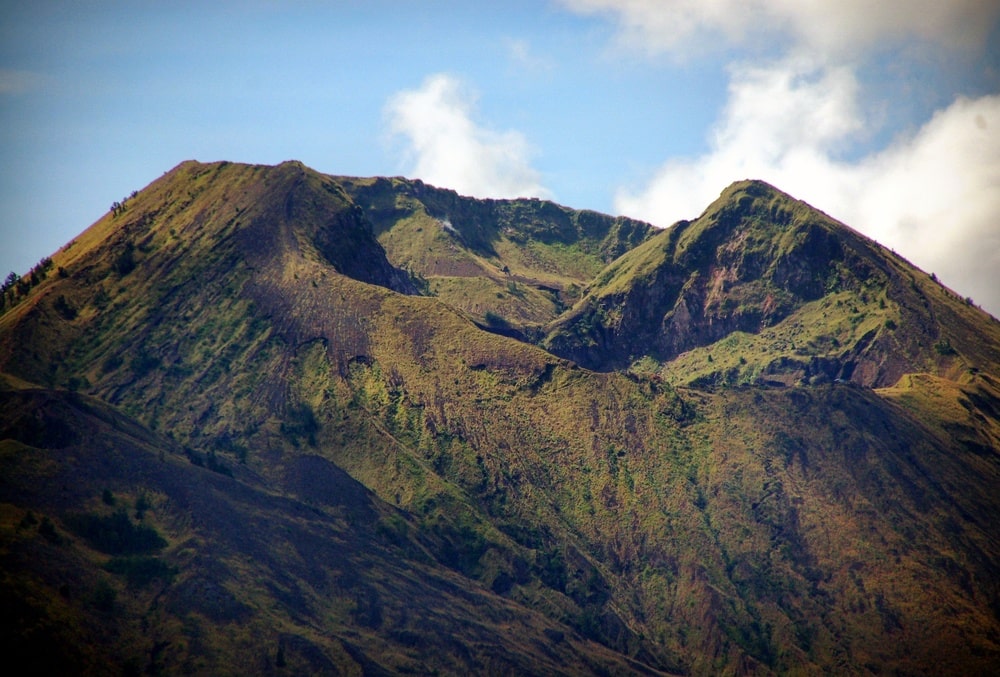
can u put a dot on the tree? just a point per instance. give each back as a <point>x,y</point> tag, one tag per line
<point>64,308</point>
<point>125,261</point>
<point>48,530</point>
<point>142,504</point>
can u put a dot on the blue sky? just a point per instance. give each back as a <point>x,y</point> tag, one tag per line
<point>885,115</point>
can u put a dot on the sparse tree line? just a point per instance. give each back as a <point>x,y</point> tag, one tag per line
<point>120,207</point>
<point>16,287</point>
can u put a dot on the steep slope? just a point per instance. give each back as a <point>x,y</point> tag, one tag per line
<point>762,286</point>
<point>186,254</point>
<point>602,522</point>
<point>122,556</point>
<point>511,264</point>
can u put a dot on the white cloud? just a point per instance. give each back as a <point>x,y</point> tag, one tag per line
<point>781,124</point>
<point>526,60</point>
<point>934,196</point>
<point>832,27</point>
<point>445,147</point>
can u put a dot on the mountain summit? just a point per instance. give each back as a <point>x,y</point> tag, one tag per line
<point>798,294</point>
<point>264,420</point>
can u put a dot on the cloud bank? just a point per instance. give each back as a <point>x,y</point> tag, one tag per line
<point>933,195</point>
<point>446,147</point>
<point>830,27</point>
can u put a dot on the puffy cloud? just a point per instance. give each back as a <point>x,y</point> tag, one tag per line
<point>445,147</point>
<point>827,26</point>
<point>673,25</point>
<point>934,195</point>
<point>781,123</point>
<point>840,25</point>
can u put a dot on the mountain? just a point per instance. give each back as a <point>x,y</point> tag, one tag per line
<point>265,420</point>
<point>512,265</point>
<point>790,292</point>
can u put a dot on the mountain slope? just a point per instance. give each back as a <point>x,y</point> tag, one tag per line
<point>785,292</point>
<point>323,578</point>
<point>260,353</point>
<point>189,248</point>
<point>511,264</point>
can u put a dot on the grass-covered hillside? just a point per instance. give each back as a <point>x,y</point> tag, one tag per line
<point>268,421</point>
<point>513,265</point>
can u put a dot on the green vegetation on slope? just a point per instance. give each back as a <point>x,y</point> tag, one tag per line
<point>763,287</point>
<point>523,261</point>
<point>346,478</point>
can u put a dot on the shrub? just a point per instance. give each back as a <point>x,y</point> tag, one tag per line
<point>125,261</point>
<point>115,534</point>
<point>110,364</point>
<point>29,520</point>
<point>213,463</point>
<point>141,571</point>
<point>48,531</point>
<point>142,504</point>
<point>943,347</point>
<point>496,321</point>
<point>64,308</point>
<point>300,422</point>
<point>104,597</point>
<point>142,363</point>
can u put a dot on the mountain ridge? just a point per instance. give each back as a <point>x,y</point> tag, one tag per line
<point>509,256</point>
<point>753,260</point>
<point>252,345</point>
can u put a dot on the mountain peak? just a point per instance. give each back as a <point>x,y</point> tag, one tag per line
<point>754,187</point>
<point>755,264</point>
<point>756,198</point>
